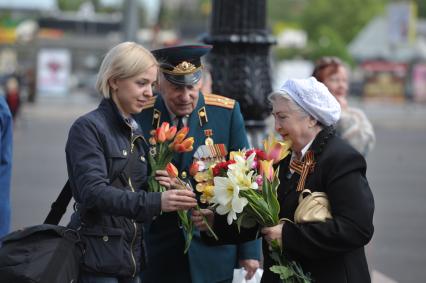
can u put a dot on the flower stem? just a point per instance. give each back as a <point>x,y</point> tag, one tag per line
<point>185,185</point>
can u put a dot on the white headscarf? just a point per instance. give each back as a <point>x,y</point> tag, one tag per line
<point>315,98</point>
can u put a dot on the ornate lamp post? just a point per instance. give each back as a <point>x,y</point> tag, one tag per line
<point>240,58</point>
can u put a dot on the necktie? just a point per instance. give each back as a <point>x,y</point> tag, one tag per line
<point>179,123</point>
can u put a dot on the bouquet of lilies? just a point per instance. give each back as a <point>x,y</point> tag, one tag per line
<point>245,189</point>
<point>185,219</point>
<point>165,141</point>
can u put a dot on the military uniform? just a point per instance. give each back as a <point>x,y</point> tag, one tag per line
<point>218,119</point>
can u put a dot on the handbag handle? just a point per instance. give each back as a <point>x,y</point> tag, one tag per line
<point>304,194</point>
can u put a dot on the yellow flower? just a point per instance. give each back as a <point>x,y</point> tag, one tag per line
<point>207,191</point>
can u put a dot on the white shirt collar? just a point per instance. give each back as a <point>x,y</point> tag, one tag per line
<point>303,151</point>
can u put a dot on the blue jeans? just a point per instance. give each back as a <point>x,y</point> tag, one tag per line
<point>88,278</point>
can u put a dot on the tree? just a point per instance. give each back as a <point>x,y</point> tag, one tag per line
<point>346,18</point>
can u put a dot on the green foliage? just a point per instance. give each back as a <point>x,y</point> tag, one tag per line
<point>346,18</point>
<point>289,11</point>
<point>66,5</point>
<point>283,271</point>
<point>329,43</point>
<point>330,24</point>
<point>421,8</point>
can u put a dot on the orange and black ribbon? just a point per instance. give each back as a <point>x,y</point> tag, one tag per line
<point>303,168</point>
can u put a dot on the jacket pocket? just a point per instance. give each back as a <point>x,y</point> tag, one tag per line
<point>116,161</point>
<point>104,250</point>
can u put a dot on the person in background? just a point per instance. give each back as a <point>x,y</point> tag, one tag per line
<point>305,112</point>
<point>108,171</point>
<point>12,92</point>
<point>212,119</point>
<point>353,126</point>
<point>6,144</point>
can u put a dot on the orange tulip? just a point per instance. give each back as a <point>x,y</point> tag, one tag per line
<point>193,169</point>
<point>160,135</point>
<point>182,133</point>
<point>170,134</point>
<point>185,145</point>
<point>172,170</point>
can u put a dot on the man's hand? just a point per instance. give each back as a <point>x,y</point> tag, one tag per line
<point>164,179</point>
<point>197,218</point>
<point>250,265</point>
<point>173,200</point>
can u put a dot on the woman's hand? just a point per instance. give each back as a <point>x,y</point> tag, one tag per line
<point>273,233</point>
<point>250,265</point>
<point>198,219</point>
<point>173,200</point>
<point>164,179</point>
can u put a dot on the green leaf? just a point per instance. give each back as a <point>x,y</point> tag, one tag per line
<point>283,271</point>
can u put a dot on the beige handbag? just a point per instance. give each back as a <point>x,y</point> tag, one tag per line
<point>313,207</point>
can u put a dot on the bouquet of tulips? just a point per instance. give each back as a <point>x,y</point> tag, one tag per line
<point>165,141</point>
<point>245,189</point>
<point>185,219</point>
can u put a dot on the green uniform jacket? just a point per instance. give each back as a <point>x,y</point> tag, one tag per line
<point>165,240</point>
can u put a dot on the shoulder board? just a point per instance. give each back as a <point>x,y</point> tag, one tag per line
<point>218,100</point>
<point>150,103</point>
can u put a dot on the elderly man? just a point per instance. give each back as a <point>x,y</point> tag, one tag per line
<point>212,119</point>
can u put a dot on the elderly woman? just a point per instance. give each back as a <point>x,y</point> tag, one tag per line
<point>353,125</point>
<point>333,250</point>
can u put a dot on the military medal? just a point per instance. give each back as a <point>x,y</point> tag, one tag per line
<point>208,133</point>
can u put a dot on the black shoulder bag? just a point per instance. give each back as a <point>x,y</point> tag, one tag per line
<point>45,253</point>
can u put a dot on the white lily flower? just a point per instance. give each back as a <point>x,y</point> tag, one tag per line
<point>226,195</point>
<point>244,181</point>
<point>242,164</point>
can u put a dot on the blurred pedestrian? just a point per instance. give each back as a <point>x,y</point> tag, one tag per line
<point>353,126</point>
<point>108,171</point>
<point>6,143</point>
<point>212,119</point>
<point>12,93</point>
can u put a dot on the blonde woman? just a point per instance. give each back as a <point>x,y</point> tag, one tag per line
<point>107,170</point>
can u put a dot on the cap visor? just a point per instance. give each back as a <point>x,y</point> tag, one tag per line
<point>189,79</point>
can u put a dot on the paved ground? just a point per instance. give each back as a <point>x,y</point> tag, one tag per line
<point>396,171</point>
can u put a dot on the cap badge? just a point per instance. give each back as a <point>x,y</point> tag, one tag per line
<point>184,68</point>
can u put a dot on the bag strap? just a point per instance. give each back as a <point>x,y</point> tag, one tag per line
<point>59,206</point>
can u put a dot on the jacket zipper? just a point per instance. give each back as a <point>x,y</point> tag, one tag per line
<point>134,237</point>
<point>132,145</point>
